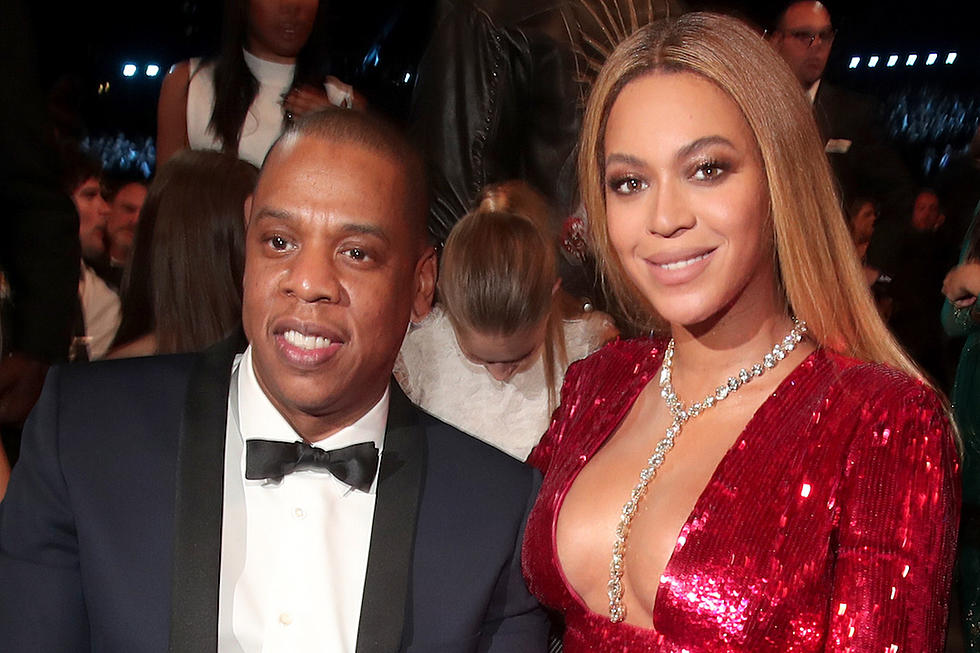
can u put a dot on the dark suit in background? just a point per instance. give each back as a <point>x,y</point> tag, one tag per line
<point>865,164</point>
<point>39,249</point>
<point>92,538</point>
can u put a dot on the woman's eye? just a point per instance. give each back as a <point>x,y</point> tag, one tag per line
<point>708,171</point>
<point>627,185</point>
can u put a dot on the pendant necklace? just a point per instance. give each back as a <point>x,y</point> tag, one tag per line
<point>681,415</point>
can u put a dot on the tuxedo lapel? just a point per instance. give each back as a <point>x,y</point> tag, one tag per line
<point>820,112</point>
<point>386,585</point>
<point>199,502</point>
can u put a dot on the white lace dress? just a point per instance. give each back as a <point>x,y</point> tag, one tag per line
<point>511,415</point>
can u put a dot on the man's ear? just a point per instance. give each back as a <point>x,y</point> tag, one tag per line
<point>248,210</point>
<point>425,284</point>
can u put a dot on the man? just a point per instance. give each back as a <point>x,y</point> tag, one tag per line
<point>125,198</point>
<point>100,306</point>
<point>927,250</point>
<point>865,165</point>
<point>926,214</point>
<point>98,546</point>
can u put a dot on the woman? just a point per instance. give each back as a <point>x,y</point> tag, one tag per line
<point>271,68</point>
<point>807,500</point>
<point>491,355</point>
<point>182,289</point>
<point>961,319</point>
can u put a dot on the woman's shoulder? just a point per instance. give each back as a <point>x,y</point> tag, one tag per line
<point>877,404</point>
<point>877,384</point>
<point>614,363</point>
<point>588,332</point>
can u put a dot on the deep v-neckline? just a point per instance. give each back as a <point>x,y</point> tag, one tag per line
<point>787,383</point>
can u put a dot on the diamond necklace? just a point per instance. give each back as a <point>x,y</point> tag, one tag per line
<point>681,415</point>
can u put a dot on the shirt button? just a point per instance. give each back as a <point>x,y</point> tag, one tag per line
<point>299,513</point>
<point>285,618</point>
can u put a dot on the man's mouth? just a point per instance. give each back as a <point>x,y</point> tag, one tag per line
<point>309,343</point>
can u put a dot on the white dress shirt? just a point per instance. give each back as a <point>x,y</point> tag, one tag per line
<point>101,311</point>
<point>294,554</point>
<point>812,91</point>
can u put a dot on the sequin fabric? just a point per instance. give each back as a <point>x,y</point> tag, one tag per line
<point>829,525</point>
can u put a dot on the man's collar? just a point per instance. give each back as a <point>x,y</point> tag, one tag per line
<point>259,418</point>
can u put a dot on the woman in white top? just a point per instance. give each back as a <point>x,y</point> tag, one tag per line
<point>490,357</point>
<point>271,68</point>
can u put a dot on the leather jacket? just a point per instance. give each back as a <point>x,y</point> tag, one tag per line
<point>493,103</point>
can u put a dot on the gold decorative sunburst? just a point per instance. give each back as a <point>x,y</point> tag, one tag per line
<point>596,27</point>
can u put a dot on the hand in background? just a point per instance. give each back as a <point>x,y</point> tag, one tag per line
<point>308,98</point>
<point>305,99</point>
<point>962,285</point>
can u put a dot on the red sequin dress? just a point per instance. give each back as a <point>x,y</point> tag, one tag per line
<point>829,525</point>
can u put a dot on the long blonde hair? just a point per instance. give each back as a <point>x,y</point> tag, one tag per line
<point>821,279</point>
<point>497,276</point>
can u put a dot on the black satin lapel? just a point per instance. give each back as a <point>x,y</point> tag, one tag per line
<point>820,108</point>
<point>198,508</point>
<point>387,583</point>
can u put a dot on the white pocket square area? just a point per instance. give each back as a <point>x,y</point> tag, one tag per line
<point>837,146</point>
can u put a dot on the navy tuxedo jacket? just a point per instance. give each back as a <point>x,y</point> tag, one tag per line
<point>110,531</point>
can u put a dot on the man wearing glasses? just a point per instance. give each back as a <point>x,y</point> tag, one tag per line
<point>803,36</point>
<point>864,163</point>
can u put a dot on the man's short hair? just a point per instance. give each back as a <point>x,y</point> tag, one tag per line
<point>779,16</point>
<point>344,126</point>
<point>77,168</point>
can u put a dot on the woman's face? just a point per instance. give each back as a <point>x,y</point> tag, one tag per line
<point>687,202</point>
<point>278,29</point>
<point>503,356</point>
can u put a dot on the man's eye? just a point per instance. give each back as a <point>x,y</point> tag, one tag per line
<point>356,253</point>
<point>278,243</point>
<point>627,185</point>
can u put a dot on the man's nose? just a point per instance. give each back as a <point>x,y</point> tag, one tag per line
<point>313,277</point>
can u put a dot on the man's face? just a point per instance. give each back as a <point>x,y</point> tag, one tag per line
<point>334,269</point>
<point>803,39</point>
<point>925,214</point>
<point>124,214</point>
<point>92,215</point>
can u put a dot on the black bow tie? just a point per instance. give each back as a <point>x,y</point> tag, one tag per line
<point>355,465</point>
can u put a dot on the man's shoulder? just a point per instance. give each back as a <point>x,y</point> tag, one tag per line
<point>451,442</point>
<point>844,98</point>
<point>469,460</point>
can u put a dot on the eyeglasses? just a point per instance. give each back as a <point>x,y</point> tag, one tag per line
<point>806,38</point>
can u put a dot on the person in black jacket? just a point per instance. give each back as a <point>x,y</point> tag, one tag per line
<point>39,248</point>
<point>865,164</point>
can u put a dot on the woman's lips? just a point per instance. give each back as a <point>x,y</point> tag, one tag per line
<point>677,268</point>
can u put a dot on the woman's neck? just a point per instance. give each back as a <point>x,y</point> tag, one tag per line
<point>267,55</point>
<point>705,355</point>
